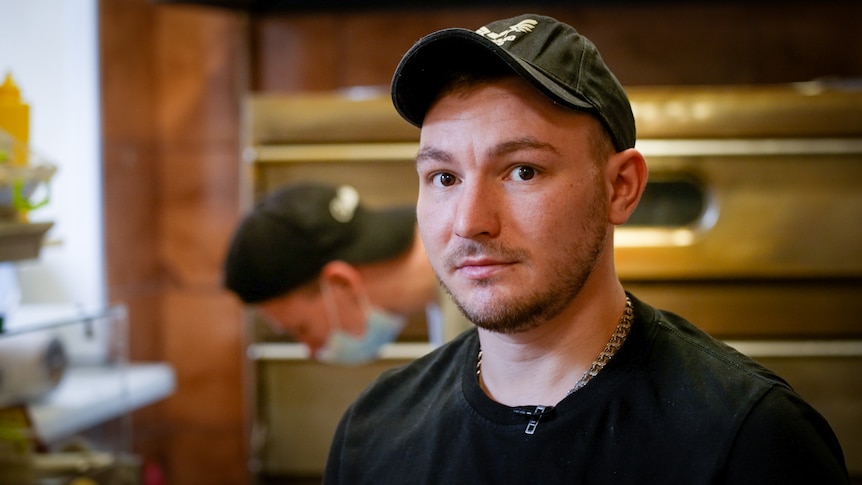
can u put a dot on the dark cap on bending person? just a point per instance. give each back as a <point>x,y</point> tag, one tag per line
<point>291,234</point>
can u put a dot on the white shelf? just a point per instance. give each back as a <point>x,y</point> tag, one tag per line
<point>88,396</point>
<point>296,351</point>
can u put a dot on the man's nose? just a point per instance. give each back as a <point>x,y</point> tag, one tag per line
<point>477,211</point>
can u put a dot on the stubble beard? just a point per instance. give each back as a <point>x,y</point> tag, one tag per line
<point>537,305</point>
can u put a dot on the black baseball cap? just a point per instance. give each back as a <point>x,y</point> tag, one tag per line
<point>561,63</point>
<point>292,233</point>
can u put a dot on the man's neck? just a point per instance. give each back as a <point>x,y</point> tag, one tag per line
<point>542,365</point>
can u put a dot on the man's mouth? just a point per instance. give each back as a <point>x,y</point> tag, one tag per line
<point>481,268</point>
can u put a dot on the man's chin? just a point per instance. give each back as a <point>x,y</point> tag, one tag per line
<point>501,317</point>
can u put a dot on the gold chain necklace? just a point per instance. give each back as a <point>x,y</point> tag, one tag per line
<point>611,348</point>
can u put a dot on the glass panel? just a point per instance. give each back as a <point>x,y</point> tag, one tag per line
<point>670,202</point>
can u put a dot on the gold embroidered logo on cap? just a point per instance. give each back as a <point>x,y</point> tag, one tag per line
<point>501,38</point>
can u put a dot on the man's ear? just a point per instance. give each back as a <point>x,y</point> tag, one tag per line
<point>627,177</point>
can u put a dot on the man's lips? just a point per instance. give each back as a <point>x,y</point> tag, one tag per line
<point>481,261</point>
<point>480,268</point>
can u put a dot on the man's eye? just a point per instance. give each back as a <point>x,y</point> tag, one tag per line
<point>523,172</point>
<point>443,179</point>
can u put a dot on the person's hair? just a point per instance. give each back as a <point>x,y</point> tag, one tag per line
<point>463,82</point>
<point>310,287</point>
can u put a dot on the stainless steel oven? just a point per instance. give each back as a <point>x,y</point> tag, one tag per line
<point>751,227</point>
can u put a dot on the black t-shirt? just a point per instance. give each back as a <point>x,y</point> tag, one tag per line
<point>673,406</point>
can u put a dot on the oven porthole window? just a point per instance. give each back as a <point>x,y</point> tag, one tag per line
<point>670,203</point>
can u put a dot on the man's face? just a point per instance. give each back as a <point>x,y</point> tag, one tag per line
<point>301,313</point>
<point>512,205</point>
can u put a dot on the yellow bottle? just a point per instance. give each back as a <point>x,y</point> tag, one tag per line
<point>14,120</point>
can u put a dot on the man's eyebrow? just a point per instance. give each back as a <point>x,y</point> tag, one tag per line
<point>429,154</point>
<point>525,143</point>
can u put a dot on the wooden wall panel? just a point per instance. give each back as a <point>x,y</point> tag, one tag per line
<point>172,78</point>
<point>304,47</point>
<point>643,44</point>
<point>129,174</point>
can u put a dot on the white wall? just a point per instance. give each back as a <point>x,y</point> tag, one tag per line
<point>51,49</point>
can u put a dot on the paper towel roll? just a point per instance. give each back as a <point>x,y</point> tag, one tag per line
<point>30,366</point>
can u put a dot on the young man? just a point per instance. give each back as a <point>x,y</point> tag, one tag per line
<point>340,277</point>
<point>526,163</point>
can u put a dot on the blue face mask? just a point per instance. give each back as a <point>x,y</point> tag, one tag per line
<point>343,348</point>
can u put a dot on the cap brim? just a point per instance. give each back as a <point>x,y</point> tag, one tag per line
<point>429,64</point>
